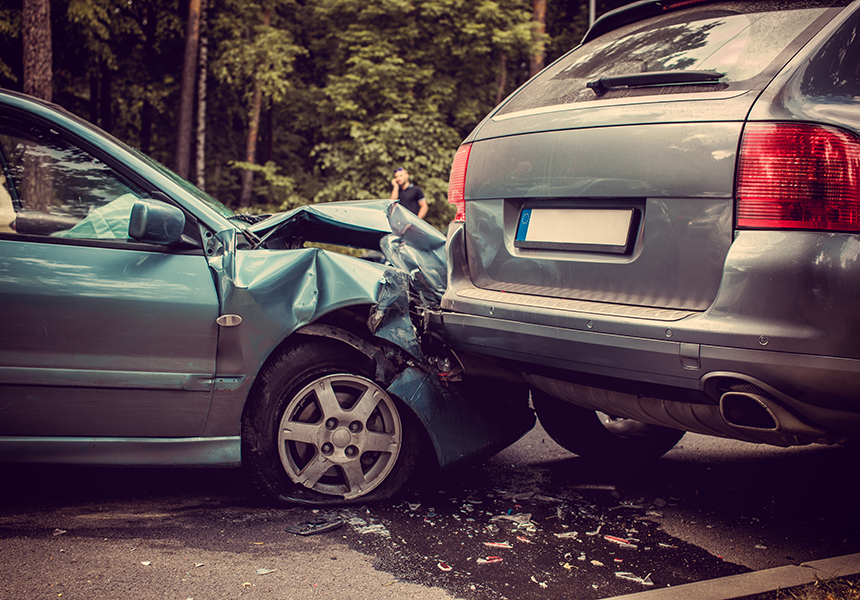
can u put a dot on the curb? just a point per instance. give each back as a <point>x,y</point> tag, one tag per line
<point>741,586</point>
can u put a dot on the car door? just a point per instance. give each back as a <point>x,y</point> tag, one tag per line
<point>102,335</point>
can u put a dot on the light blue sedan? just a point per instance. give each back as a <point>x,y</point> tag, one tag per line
<point>147,324</point>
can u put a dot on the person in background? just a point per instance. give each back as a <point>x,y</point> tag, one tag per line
<point>410,195</point>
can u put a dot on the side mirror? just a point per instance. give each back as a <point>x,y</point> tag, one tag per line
<point>155,222</point>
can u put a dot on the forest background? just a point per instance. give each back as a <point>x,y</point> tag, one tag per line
<point>272,104</point>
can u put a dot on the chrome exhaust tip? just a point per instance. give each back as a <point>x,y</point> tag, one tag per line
<point>755,411</point>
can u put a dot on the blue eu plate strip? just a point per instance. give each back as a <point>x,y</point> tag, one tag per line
<point>523,226</point>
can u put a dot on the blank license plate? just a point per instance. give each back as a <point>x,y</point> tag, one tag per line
<point>582,229</point>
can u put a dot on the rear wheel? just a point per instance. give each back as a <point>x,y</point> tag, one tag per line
<point>599,437</point>
<point>321,431</point>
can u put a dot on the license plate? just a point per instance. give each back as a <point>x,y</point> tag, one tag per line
<point>580,229</point>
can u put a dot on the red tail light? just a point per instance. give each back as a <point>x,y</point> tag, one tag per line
<point>457,182</point>
<point>798,176</point>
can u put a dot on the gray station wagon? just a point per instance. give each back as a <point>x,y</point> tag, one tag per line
<point>661,231</point>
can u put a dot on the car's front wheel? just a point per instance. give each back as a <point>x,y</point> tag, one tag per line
<point>600,437</point>
<point>320,430</point>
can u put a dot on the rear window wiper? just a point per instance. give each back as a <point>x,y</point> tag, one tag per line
<point>604,84</point>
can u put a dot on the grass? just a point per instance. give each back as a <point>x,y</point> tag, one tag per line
<point>831,589</point>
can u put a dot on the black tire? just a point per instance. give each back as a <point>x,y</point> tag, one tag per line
<point>599,437</point>
<point>320,431</point>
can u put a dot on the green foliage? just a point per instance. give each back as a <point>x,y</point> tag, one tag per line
<point>352,89</point>
<point>406,81</point>
<point>10,30</point>
<point>278,189</point>
<point>253,47</point>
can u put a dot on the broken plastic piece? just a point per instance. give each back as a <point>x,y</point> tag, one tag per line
<point>489,560</point>
<point>631,577</point>
<point>524,539</point>
<point>498,544</point>
<point>265,571</point>
<point>314,526</point>
<point>543,584</point>
<point>567,534</point>
<point>520,519</point>
<point>621,542</point>
<point>443,566</point>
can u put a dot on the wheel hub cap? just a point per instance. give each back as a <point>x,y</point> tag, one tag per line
<point>341,438</point>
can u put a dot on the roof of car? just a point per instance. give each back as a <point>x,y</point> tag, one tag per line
<point>633,12</point>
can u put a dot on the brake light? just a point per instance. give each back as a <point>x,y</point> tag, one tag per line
<point>798,176</point>
<point>457,182</point>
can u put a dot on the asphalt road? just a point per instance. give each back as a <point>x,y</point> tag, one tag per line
<point>532,522</point>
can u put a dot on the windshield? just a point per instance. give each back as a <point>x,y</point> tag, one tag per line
<point>189,187</point>
<point>729,38</point>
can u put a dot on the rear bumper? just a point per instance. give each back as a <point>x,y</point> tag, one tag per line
<point>821,389</point>
<point>762,329</point>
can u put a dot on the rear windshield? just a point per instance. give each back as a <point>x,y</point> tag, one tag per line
<point>740,40</point>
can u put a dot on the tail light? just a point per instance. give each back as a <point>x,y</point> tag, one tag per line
<point>457,182</point>
<point>798,176</point>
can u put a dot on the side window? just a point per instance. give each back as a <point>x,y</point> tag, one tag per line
<point>835,70</point>
<point>54,188</point>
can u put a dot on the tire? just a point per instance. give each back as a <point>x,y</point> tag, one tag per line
<point>320,431</point>
<point>598,437</point>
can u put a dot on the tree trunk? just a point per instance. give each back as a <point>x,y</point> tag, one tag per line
<point>150,28</point>
<point>36,27</point>
<point>251,146</point>
<point>200,170</point>
<point>503,78</point>
<point>253,133</point>
<point>105,98</point>
<point>538,28</point>
<point>186,101</point>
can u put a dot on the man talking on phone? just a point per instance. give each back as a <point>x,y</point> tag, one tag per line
<point>410,195</point>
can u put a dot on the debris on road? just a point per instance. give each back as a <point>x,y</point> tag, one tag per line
<point>362,527</point>
<point>567,534</point>
<point>631,577</point>
<point>621,542</point>
<point>519,519</point>
<point>489,560</point>
<point>315,526</point>
<point>265,571</point>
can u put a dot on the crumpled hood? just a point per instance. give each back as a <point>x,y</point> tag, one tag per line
<point>406,242</point>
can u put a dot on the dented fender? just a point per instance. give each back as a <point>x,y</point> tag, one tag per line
<point>275,290</point>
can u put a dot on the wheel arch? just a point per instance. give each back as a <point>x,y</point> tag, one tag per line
<point>347,326</point>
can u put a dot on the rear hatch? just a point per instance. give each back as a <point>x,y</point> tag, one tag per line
<point>595,183</point>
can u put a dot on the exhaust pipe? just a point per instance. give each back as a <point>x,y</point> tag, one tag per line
<point>751,409</point>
